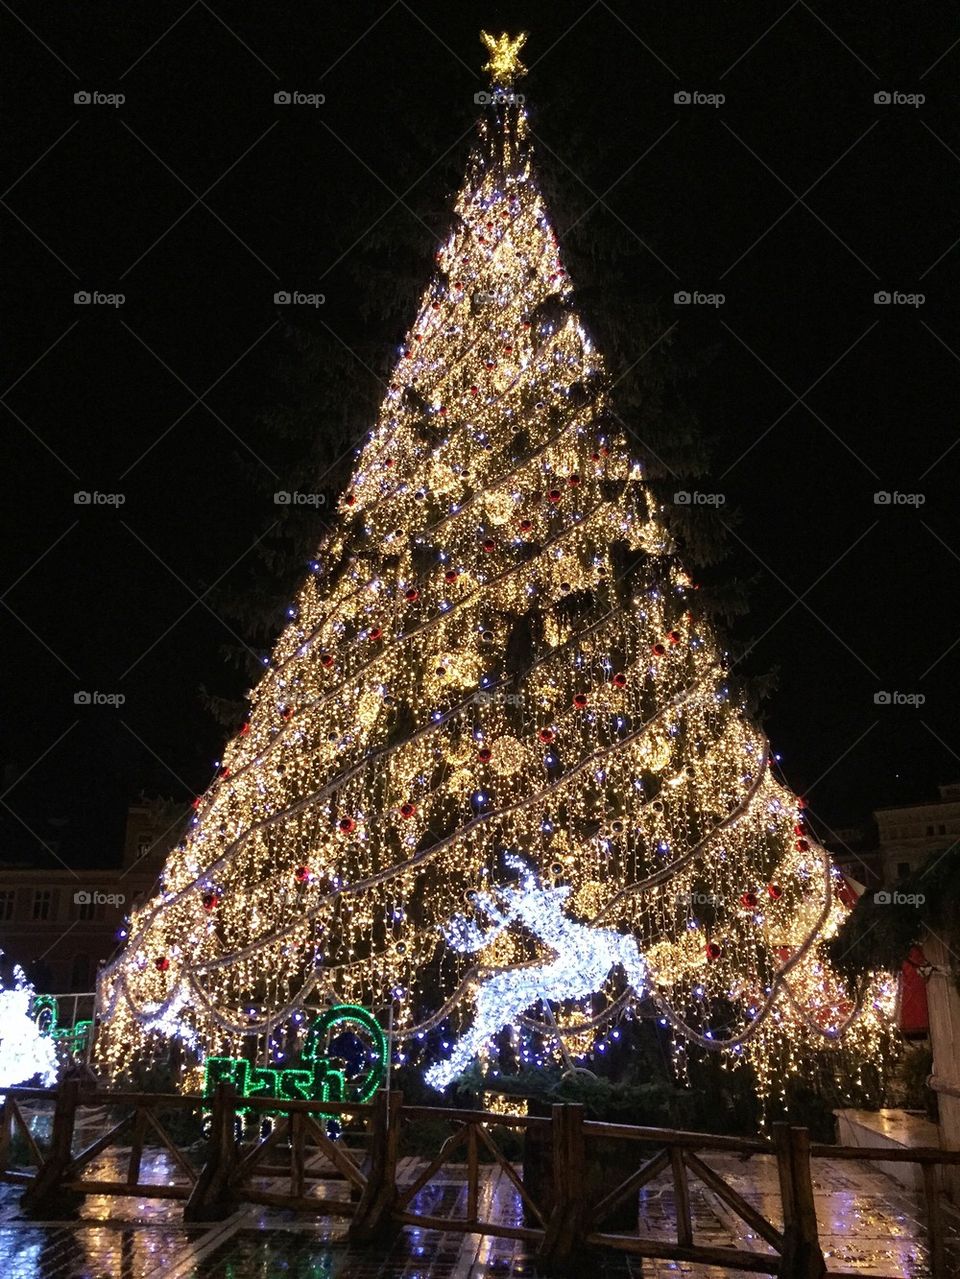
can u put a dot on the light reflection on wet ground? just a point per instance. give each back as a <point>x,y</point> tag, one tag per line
<point>869,1224</point>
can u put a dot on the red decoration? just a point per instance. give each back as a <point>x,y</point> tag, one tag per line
<point>526,526</point>
<point>714,950</point>
<point>375,632</point>
<point>474,390</point>
<point>546,735</point>
<point>580,700</point>
<point>554,495</point>
<point>801,802</point>
<point>620,679</point>
<point>803,845</point>
<point>451,575</point>
<point>161,963</point>
<point>484,754</point>
<point>302,874</point>
<point>244,730</point>
<point>573,480</point>
<point>346,825</point>
<point>210,901</point>
<point>748,900</point>
<point>659,650</point>
<point>196,803</point>
<point>595,457</point>
<point>326,659</point>
<point>799,830</point>
<point>287,712</point>
<point>489,544</point>
<point>349,499</point>
<point>411,595</point>
<point>774,892</point>
<point>674,637</point>
<point>407,809</point>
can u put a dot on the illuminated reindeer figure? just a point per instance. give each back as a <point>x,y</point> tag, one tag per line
<point>582,958</point>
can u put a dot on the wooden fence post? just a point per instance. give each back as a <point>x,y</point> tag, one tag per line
<point>373,1221</point>
<point>211,1198</point>
<point>565,1228</point>
<point>46,1189</point>
<point>802,1257</point>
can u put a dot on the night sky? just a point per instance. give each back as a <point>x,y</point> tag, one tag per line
<point>798,198</point>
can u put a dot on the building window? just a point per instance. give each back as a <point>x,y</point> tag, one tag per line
<point>86,906</point>
<point>42,903</point>
<point>929,830</point>
<point>7,897</point>
<point>903,869</point>
<point>941,829</point>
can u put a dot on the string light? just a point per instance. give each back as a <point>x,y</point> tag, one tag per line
<point>466,669</point>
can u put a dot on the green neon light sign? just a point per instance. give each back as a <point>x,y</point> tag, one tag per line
<point>316,1078</point>
<point>46,1013</point>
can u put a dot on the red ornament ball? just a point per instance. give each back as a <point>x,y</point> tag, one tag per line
<point>484,754</point>
<point>748,900</point>
<point>210,901</point>
<point>620,679</point>
<point>580,700</point>
<point>774,892</point>
<point>803,845</point>
<point>450,575</point>
<point>489,545</point>
<point>302,874</point>
<point>411,595</point>
<point>326,659</point>
<point>714,950</point>
<point>526,526</point>
<point>659,650</point>
<point>573,480</point>
<point>375,632</point>
<point>407,809</point>
<point>554,495</point>
<point>674,637</point>
<point>474,390</point>
<point>346,825</point>
<point>161,963</point>
<point>546,735</point>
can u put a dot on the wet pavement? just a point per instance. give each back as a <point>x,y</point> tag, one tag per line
<point>870,1225</point>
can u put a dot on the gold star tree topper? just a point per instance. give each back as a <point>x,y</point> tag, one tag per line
<point>504,65</point>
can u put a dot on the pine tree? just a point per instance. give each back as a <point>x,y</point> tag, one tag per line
<point>494,762</point>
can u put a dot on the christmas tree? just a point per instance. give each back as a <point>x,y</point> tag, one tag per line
<point>493,772</point>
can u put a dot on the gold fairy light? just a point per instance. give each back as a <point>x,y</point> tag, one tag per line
<point>472,680</point>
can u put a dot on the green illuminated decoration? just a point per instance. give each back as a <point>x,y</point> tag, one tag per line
<point>46,1013</point>
<point>317,1078</point>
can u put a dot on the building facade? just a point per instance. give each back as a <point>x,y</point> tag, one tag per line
<point>60,924</point>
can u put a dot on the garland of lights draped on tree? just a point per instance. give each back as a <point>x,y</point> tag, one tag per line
<point>496,652</point>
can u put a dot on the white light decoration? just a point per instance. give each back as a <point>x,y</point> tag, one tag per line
<point>580,960</point>
<point>24,1052</point>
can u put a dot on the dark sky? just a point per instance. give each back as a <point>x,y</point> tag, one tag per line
<point>799,198</point>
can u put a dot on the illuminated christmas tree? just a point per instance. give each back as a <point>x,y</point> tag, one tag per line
<point>493,771</point>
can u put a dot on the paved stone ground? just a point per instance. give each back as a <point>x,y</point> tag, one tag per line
<point>869,1225</point>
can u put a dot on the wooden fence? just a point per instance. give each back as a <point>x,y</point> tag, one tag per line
<point>571,1199</point>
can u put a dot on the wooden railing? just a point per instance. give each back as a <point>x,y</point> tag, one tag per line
<point>567,1206</point>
